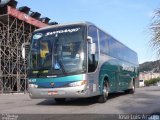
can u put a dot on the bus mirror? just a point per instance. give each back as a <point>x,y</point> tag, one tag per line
<point>25,49</point>
<point>93,48</point>
<point>91,44</point>
<point>90,39</point>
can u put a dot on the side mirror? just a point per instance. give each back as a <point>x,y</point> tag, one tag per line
<point>90,39</point>
<point>92,46</point>
<point>25,49</point>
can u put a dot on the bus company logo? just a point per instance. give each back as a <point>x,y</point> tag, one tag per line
<point>37,36</point>
<point>52,84</point>
<point>127,68</point>
<point>62,31</point>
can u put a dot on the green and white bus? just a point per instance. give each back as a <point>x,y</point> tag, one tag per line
<point>78,60</point>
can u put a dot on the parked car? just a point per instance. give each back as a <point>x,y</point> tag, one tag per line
<point>141,83</point>
<point>158,84</point>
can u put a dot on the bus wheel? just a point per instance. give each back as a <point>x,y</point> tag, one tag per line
<point>103,98</point>
<point>60,100</point>
<point>132,90</point>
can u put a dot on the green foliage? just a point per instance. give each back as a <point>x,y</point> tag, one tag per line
<point>151,81</point>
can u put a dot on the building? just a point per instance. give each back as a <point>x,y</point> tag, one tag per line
<point>148,75</point>
<point>16,27</point>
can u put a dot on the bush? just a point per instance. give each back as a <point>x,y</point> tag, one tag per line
<point>151,81</point>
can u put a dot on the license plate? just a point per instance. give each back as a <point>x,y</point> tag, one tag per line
<point>52,93</point>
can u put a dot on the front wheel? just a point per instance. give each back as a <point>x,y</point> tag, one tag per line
<point>103,98</point>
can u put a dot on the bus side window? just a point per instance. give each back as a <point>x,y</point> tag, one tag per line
<point>93,59</point>
<point>103,40</point>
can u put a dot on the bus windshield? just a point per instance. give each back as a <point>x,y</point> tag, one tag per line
<point>58,51</point>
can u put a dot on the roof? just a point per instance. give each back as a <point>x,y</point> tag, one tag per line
<point>66,24</point>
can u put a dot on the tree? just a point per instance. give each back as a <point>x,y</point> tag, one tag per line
<point>155,29</point>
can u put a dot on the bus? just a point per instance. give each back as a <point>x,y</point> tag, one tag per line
<point>78,60</point>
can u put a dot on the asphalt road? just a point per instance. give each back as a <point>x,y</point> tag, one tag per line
<point>146,100</point>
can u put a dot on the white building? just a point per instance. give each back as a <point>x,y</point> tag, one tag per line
<point>148,75</point>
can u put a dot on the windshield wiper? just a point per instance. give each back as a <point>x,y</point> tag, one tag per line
<point>62,67</point>
<point>60,63</point>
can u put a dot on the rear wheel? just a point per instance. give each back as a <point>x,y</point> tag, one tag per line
<point>60,100</point>
<point>132,90</point>
<point>103,98</point>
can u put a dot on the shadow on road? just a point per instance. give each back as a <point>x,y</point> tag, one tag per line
<point>69,102</point>
<point>115,95</point>
<point>80,101</point>
<point>144,101</point>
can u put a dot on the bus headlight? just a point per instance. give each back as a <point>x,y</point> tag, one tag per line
<point>78,83</point>
<point>33,86</point>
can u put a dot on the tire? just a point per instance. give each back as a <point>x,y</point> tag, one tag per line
<point>103,98</point>
<point>60,100</point>
<point>132,90</point>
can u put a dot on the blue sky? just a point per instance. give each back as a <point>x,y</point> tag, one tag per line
<point>126,20</point>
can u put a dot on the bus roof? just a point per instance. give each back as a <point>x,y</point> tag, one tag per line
<point>66,24</point>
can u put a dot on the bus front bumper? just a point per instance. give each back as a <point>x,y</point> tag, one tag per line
<point>68,92</point>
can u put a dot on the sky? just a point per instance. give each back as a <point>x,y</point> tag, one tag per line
<point>126,20</point>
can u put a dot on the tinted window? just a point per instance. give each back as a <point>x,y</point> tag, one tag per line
<point>103,39</point>
<point>140,80</point>
<point>120,51</point>
<point>114,48</point>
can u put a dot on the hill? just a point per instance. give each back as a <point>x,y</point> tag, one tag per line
<point>150,66</point>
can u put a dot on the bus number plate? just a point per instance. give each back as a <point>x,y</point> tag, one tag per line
<point>52,93</point>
